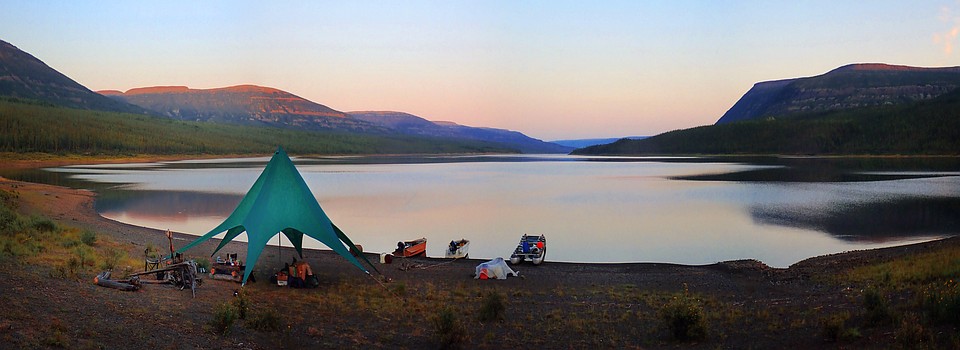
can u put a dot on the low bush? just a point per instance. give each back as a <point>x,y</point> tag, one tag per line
<point>224,315</point>
<point>684,317</point>
<point>242,303</point>
<point>88,237</point>
<point>493,307</point>
<point>941,302</point>
<point>835,328</point>
<point>877,308</point>
<point>451,333</point>
<point>42,224</point>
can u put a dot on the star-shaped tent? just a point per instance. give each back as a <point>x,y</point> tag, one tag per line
<point>280,202</point>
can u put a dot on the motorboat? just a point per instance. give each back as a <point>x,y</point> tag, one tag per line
<point>458,249</point>
<point>406,249</point>
<point>532,248</point>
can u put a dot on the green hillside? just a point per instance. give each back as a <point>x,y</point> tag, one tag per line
<point>40,127</point>
<point>922,128</point>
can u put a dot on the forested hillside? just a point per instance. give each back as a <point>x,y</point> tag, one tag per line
<point>928,128</point>
<point>29,126</point>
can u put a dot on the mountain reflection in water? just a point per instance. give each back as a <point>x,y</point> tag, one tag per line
<point>690,210</point>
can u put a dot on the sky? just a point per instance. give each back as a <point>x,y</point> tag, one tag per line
<point>550,69</point>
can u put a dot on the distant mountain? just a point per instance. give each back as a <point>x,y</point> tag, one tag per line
<point>408,124</point>
<point>832,125</point>
<point>581,143</point>
<point>847,87</point>
<point>243,104</point>
<point>25,77</point>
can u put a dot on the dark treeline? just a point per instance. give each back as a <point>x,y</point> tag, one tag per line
<point>923,128</point>
<point>39,127</point>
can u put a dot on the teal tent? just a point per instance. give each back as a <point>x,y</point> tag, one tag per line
<point>280,202</point>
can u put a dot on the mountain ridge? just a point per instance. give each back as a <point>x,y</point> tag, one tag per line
<point>846,87</point>
<point>24,76</point>
<point>410,124</point>
<point>920,126</point>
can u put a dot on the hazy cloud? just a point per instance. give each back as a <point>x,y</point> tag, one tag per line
<point>948,38</point>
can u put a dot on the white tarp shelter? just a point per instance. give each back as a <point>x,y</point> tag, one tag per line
<point>494,269</point>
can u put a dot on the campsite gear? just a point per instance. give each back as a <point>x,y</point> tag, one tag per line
<point>280,202</point>
<point>494,269</point>
<point>533,248</point>
<point>458,249</point>
<point>417,247</point>
<point>130,284</point>
<point>181,274</point>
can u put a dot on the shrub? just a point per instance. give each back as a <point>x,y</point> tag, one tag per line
<point>88,237</point>
<point>400,289</point>
<point>224,315</point>
<point>111,259</point>
<point>84,256</point>
<point>877,310</point>
<point>203,263</point>
<point>42,224</point>
<point>7,219</point>
<point>242,303</point>
<point>835,328</point>
<point>266,320</point>
<point>684,317</point>
<point>492,308</point>
<point>942,302</point>
<point>911,333</point>
<point>450,331</point>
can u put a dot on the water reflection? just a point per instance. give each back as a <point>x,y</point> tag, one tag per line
<point>594,209</point>
<point>871,221</point>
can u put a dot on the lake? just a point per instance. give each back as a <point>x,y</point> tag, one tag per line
<point>591,209</point>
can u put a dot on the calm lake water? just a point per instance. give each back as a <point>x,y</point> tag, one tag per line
<point>678,210</point>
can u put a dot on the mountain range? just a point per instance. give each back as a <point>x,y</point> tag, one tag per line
<point>24,78</point>
<point>854,109</point>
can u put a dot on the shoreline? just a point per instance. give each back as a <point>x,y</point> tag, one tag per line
<point>77,207</point>
<point>744,303</point>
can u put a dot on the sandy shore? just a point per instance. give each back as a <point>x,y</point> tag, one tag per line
<point>748,287</point>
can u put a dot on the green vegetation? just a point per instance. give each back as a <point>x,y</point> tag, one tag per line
<point>35,127</point>
<point>450,331</point>
<point>684,317</point>
<point>930,127</point>
<point>493,307</point>
<point>70,251</point>
<point>224,315</point>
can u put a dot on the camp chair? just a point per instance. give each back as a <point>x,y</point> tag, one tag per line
<point>150,261</point>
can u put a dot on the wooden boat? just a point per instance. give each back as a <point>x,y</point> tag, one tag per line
<point>417,247</point>
<point>458,249</point>
<point>533,248</point>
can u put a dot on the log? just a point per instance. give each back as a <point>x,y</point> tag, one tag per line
<point>103,280</point>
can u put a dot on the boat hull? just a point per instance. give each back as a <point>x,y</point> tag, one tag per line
<point>412,248</point>
<point>458,250</point>
<point>532,248</point>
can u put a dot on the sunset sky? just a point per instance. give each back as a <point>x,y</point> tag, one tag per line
<point>550,69</point>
